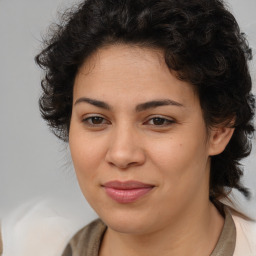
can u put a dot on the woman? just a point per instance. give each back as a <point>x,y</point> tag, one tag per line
<point>154,98</point>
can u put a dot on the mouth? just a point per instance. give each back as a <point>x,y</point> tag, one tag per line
<point>127,192</point>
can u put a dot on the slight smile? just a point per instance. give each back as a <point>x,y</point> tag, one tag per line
<point>128,191</point>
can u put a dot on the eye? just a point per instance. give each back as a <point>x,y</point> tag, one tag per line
<point>95,121</point>
<point>160,121</point>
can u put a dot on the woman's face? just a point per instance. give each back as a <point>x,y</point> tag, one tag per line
<point>138,140</point>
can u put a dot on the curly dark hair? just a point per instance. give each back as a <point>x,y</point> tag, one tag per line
<point>201,41</point>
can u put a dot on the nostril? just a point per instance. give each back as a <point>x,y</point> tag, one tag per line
<point>125,158</point>
<point>122,166</point>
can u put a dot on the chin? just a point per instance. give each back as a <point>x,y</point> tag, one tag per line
<point>127,226</point>
<point>128,221</point>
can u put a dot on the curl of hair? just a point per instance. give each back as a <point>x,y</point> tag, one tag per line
<point>201,41</point>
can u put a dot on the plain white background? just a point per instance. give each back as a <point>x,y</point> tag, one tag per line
<point>33,163</point>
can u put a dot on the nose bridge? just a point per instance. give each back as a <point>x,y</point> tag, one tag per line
<point>125,148</point>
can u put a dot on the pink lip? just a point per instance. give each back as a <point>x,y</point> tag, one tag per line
<point>126,192</point>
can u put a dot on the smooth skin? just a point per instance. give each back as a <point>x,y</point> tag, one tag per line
<point>132,119</point>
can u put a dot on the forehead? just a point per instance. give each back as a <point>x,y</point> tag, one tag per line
<point>132,71</point>
<point>125,58</point>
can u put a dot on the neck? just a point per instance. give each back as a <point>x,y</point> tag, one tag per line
<point>184,237</point>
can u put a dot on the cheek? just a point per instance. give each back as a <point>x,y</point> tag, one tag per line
<point>85,158</point>
<point>180,158</point>
<point>173,152</point>
<point>85,154</point>
<point>84,161</point>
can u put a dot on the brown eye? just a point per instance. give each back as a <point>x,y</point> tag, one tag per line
<point>95,121</point>
<point>160,121</point>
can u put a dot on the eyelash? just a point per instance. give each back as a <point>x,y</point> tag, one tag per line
<point>88,121</point>
<point>164,122</point>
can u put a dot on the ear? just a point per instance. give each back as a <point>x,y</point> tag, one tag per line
<point>219,139</point>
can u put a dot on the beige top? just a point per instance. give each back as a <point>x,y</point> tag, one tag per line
<point>88,240</point>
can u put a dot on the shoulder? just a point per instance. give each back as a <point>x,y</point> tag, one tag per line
<point>245,234</point>
<point>87,240</point>
<point>40,227</point>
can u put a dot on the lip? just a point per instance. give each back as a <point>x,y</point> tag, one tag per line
<point>128,191</point>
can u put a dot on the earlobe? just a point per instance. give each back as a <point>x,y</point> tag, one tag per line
<point>219,139</point>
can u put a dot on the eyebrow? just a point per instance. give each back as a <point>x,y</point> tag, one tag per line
<point>157,103</point>
<point>97,103</point>
<point>139,108</point>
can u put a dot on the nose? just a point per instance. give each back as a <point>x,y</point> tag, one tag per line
<point>125,149</point>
